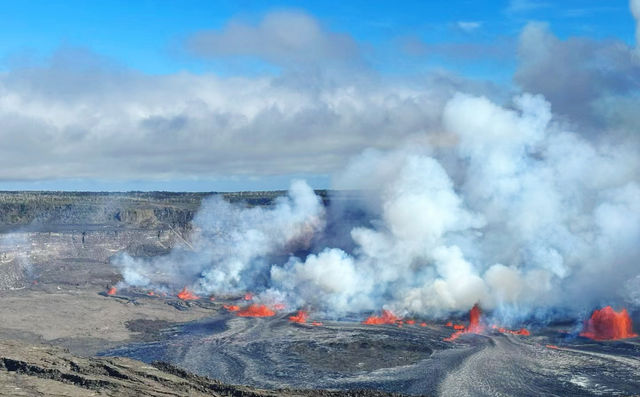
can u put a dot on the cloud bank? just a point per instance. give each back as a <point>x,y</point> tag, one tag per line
<point>77,115</point>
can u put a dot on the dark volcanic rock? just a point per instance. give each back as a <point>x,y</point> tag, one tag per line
<point>28,370</point>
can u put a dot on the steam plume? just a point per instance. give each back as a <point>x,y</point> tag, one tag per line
<point>522,215</point>
<point>232,245</point>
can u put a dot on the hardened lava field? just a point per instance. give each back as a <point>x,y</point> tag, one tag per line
<point>59,288</point>
<point>274,352</point>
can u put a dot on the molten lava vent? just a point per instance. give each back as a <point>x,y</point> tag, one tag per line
<point>256,311</point>
<point>607,324</point>
<point>387,317</point>
<point>300,318</point>
<point>187,295</point>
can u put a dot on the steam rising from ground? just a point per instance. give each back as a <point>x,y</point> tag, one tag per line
<point>15,263</point>
<point>232,245</point>
<point>520,215</point>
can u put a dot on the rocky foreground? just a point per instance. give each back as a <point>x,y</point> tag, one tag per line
<point>40,370</point>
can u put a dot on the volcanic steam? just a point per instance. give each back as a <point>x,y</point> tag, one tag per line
<point>520,215</point>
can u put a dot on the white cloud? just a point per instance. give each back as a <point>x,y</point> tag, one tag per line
<point>280,37</point>
<point>517,6</point>
<point>79,116</point>
<point>59,120</point>
<point>584,79</point>
<point>468,26</point>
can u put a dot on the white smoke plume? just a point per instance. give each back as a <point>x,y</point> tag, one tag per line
<point>536,217</point>
<point>231,244</point>
<point>15,259</point>
<point>522,215</point>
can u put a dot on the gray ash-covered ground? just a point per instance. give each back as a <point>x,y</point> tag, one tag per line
<point>55,251</point>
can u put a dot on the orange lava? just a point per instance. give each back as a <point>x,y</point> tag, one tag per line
<point>316,323</point>
<point>248,296</point>
<point>453,336</point>
<point>187,295</point>
<point>423,324</point>
<point>607,324</point>
<point>299,318</point>
<point>521,331</point>
<point>256,311</point>
<point>151,293</point>
<point>552,347</point>
<point>112,291</point>
<point>474,325</point>
<point>449,324</point>
<point>231,308</point>
<point>474,319</point>
<point>410,322</point>
<point>387,317</point>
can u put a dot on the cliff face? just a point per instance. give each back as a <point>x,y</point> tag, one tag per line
<point>67,238</point>
<point>48,210</point>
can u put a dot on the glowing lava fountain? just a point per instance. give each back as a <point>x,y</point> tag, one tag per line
<point>474,324</point>
<point>187,295</point>
<point>607,324</point>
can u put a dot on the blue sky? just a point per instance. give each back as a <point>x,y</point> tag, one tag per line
<point>147,35</point>
<point>122,44</point>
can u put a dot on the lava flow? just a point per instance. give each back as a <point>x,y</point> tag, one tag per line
<point>299,318</point>
<point>607,324</point>
<point>231,308</point>
<point>187,295</point>
<point>521,331</point>
<point>112,291</point>
<point>256,311</point>
<point>387,317</point>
